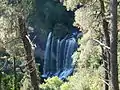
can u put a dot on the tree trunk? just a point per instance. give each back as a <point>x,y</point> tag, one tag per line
<point>15,74</point>
<point>106,53</point>
<point>29,52</point>
<point>113,46</point>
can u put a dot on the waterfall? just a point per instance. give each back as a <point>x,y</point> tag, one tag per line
<point>47,56</point>
<point>55,58</point>
<point>70,47</point>
<point>58,56</point>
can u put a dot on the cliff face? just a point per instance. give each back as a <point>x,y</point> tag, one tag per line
<point>48,15</point>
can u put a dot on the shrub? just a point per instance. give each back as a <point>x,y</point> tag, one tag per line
<point>53,83</point>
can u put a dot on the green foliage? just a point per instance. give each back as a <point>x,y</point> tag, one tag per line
<point>72,4</point>
<point>26,82</point>
<point>65,86</point>
<point>88,56</point>
<point>89,52</point>
<point>53,83</point>
<point>10,40</point>
<point>84,79</point>
<point>90,24</point>
<point>7,81</point>
<point>51,15</point>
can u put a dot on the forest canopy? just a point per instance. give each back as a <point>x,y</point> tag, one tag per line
<point>25,26</point>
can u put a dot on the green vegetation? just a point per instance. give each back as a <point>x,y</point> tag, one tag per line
<point>92,18</point>
<point>52,84</point>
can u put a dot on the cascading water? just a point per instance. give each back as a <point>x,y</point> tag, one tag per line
<point>58,56</point>
<point>55,58</point>
<point>47,56</point>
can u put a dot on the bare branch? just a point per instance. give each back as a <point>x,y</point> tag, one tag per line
<point>101,44</point>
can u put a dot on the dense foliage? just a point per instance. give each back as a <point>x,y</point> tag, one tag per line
<point>11,47</point>
<point>52,15</point>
